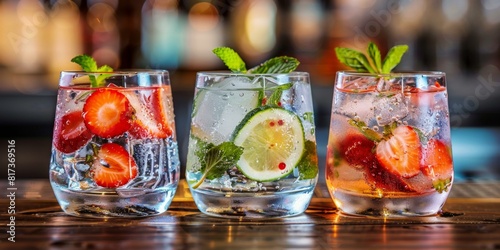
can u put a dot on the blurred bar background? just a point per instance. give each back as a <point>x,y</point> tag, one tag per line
<point>459,37</point>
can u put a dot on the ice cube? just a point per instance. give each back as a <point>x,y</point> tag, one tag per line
<point>303,106</point>
<point>219,109</point>
<point>356,106</point>
<point>389,107</point>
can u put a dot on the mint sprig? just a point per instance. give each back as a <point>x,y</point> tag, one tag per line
<point>88,64</point>
<point>216,160</point>
<point>308,165</point>
<point>231,59</point>
<point>276,65</point>
<point>359,62</point>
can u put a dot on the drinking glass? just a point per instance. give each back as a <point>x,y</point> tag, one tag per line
<point>114,149</point>
<point>389,148</point>
<point>252,146</point>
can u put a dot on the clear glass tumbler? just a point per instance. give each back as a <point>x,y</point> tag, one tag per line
<point>252,146</point>
<point>389,148</point>
<point>114,150</point>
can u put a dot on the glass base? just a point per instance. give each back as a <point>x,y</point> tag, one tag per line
<point>253,205</point>
<point>110,204</point>
<point>395,206</point>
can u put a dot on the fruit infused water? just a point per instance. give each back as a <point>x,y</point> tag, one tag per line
<point>114,151</point>
<point>252,148</point>
<point>389,147</point>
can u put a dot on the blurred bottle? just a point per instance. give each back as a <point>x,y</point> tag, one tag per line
<point>104,33</point>
<point>25,28</point>
<point>253,29</point>
<point>162,34</point>
<point>66,36</point>
<point>128,16</point>
<point>410,23</point>
<point>489,46</point>
<point>204,31</point>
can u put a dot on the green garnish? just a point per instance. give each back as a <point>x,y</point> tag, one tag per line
<point>216,160</point>
<point>231,59</point>
<point>88,64</point>
<point>308,165</point>
<point>441,185</point>
<point>282,64</point>
<point>275,98</point>
<point>276,65</point>
<point>359,62</point>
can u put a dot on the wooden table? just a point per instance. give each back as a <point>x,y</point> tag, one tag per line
<point>470,220</point>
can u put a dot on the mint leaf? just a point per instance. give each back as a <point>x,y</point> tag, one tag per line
<point>231,59</point>
<point>366,131</point>
<point>308,165</point>
<point>276,65</point>
<point>354,59</point>
<point>374,53</point>
<point>358,61</point>
<point>215,160</point>
<point>441,185</point>
<point>393,58</point>
<point>275,98</point>
<point>88,64</point>
<point>102,77</point>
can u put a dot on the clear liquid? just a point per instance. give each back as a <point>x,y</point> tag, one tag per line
<point>148,193</point>
<point>216,116</point>
<point>363,186</point>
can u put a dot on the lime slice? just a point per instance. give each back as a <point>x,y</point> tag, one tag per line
<point>273,143</point>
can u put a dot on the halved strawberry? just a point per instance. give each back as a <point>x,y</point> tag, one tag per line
<point>70,133</point>
<point>437,164</point>
<point>107,113</point>
<point>160,112</point>
<point>357,150</point>
<point>400,153</point>
<point>145,124</point>
<point>113,167</point>
<point>378,177</point>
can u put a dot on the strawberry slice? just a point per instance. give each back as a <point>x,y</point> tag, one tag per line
<point>145,124</point>
<point>400,154</point>
<point>437,164</point>
<point>70,133</point>
<point>357,150</point>
<point>113,167</point>
<point>160,112</point>
<point>378,177</point>
<point>107,113</point>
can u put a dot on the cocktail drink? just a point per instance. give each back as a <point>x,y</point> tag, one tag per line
<point>114,150</point>
<point>252,146</point>
<point>389,148</point>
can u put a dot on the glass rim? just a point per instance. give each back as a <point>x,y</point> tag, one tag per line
<point>417,73</point>
<point>118,72</point>
<point>229,73</point>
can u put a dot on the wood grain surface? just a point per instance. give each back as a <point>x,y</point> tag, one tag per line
<point>470,220</point>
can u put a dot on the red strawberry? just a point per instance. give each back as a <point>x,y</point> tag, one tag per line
<point>400,154</point>
<point>378,177</point>
<point>437,162</point>
<point>357,150</point>
<point>161,112</point>
<point>113,167</point>
<point>107,113</point>
<point>145,124</point>
<point>70,132</point>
